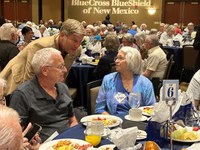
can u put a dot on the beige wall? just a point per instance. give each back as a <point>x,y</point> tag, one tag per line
<point>52,10</point>
<point>152,21</point>
<point>35,11</point>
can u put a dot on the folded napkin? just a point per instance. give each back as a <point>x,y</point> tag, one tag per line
<point>194,146</point>
<point>124,138</point>
<point>85,57</point>
<point>160,116</point>
<point>95,48</point>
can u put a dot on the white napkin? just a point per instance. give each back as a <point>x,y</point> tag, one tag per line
<point>96,48</point>
<point>179,38</point>
<point>160,116</point>
<point>124,138</point>
<point>194,146</point>
<point>86,57</point>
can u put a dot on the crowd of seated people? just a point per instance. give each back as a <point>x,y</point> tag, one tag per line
<point>139,47</point>
<point>111,43</point>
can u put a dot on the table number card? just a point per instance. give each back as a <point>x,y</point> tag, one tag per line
<point>170,90</point>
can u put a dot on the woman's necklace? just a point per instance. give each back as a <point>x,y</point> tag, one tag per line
<point>128,85</point>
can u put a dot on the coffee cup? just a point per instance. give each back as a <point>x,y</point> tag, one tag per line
<point>135,114</point>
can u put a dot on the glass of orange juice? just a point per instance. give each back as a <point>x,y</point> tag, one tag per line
<point>93,132</point>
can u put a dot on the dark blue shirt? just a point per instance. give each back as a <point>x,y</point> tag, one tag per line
<point>35,105</point>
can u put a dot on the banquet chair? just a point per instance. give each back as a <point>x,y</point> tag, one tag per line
<point>112,67</point>
<point>169,67</point>
<point>189,60</point>
<point>73,92</point>
<point>92,93</point>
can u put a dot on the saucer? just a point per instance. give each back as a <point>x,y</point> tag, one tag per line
<point>107,146</point>
<point>127,117</point>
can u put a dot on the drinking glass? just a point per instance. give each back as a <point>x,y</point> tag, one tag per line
<point>134,100</point>
<point>192,118</point>
<point>93,132</point>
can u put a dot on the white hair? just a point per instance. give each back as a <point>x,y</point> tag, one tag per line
<point>42,58</point>
<point>6,31</point>
<point>10,135</point>
<point>133,59</point>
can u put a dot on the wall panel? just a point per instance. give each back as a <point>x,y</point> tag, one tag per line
<point>51,10</point>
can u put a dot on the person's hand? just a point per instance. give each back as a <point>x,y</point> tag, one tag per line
<point>105,113</point>
<point>73,121</point>
<point>35,142</point>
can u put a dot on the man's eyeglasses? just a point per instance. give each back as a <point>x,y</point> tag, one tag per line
<point>119,58</point>
<point>61,67</point>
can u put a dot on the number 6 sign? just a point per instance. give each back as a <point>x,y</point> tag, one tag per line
<point>170,90</point>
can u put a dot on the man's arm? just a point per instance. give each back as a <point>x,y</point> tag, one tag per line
<point>196,104</point>
<point>73,121</point>
<point>147,73</point>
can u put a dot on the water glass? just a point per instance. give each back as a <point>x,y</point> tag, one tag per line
<point>192,118</point>
<point>134,100</point>
<point>93,132</point>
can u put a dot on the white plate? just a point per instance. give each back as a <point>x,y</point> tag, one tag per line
<point>94,63</point>
<point>143,112</point>
<point>103,147</point>
<point>86,119</point>
<point>187,141</point>
<point>144,118</point>
<point>141,135</point>
<point>49,145</point>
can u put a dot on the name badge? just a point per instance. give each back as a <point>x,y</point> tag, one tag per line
<point>120,97</point>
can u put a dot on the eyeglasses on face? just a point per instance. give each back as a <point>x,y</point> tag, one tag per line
<point>119,58</point>
<point>61,67</point>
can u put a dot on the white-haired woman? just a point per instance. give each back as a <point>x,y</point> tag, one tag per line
<point>116,87</point>
<point>166,38</point>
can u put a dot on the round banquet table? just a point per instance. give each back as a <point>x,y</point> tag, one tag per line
<point>77,132</point>
<point>78,77</point>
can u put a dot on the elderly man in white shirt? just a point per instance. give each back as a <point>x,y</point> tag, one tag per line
<point>156,63</point>
<point>194,88</point>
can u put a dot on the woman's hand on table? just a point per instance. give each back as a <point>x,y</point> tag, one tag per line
<point>105,113</point>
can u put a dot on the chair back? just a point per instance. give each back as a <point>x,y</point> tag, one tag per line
<point>157,82</point>
<point>189,57</point>
<point>92,93</point>
<point>169,67</point>
<point>112,67</point>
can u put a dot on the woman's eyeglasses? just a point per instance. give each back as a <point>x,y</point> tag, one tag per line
<point>119,58</point>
